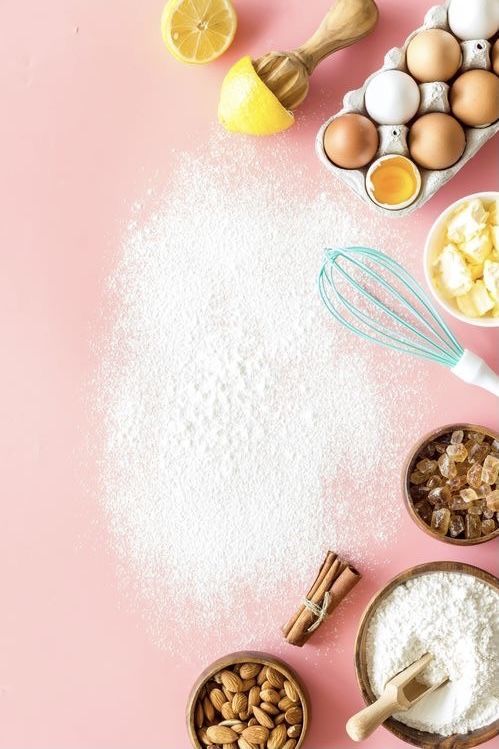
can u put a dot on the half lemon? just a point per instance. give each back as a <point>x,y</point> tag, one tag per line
<point>198,31</point>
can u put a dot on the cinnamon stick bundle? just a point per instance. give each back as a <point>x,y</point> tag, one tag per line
<point>334,581</point>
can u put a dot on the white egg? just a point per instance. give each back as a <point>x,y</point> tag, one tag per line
<point>392,97</point>
<point>474,19</point>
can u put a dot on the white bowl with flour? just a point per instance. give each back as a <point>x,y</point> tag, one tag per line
<point>452,611</point>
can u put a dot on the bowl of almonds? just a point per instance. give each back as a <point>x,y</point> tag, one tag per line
<point>451,484</point>
<point>248,700</point>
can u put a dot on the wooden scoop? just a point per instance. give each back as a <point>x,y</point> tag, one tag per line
<point>287,73</point>
<point>400,693</point>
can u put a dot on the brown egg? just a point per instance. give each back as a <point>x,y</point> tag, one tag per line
<point>351,141</point>
<point>495,57</point>
<point>436,141</point>
<point>433,55</point>
<point>474,98</point>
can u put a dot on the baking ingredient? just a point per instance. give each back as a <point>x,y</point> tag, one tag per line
<point>248,106</point>
<point>263,708</point>
<point>446,489</point>
<point>467,267</point>
<point>198,31</point>
<point>433,55</point>
<point>334,581</point>
<point>351,141</point>
<point>473,19</point>
<point>495,57</point>
<point>437,613</point>
<point>474,98</point>
<point>392,97</point>
<point>436,141</point>
<point>393,182</point>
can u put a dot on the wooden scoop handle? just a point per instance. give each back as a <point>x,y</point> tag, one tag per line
<point>346,23</point>
<point>361,725</point>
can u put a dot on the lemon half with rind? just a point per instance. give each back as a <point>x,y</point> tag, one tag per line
<point>248,106</point>
<point>198,31</point>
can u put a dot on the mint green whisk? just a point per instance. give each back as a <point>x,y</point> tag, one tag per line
<point>376,298</point>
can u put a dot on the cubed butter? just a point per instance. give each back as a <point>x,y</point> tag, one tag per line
<point>470,219</point>
<point>491,278</point>
<point>455,276</point>
<point>478,247</point>
<point>494,235</point>
<point>476,302</point>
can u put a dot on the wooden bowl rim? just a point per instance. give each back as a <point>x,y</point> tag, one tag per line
<point>247,656</point>
<point>406,470</point>
<point>422,739</point>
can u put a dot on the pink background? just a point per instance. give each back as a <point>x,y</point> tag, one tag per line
<point>92,110</point>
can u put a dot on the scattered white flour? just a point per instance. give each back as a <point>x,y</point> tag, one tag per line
<point>455,617</point>
<point>246,432</point>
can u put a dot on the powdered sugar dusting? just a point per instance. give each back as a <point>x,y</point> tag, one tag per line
<point>243,426</point>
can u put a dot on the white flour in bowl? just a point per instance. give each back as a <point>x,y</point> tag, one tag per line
<point>455,617</point>
<point>245,431</point>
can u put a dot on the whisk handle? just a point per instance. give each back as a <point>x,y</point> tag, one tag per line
<point>474,370</point>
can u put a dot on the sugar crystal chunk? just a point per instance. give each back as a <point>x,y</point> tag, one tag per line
<point>483,490</point>
<point>492,500</point>
<point>424,510</point>
<point>447,466</point>
<point>458,453</point>
<point>488,514</point>
<point>456,525</point>
<point>476,436</point>
<point>439,496</point>
<point>426,466</point>
<point>457,483</point>
<point>434,481</point>
<point>417,477</point>
<point>488,526</point>
<point>474,475</point>
<point>440,520</point>
<point>477,508</point>
<point>478,453</point>
<point>469,495</point>
<point>473,526</point>
<point>490,469</point>
<point>458,503</point>
<point>457,437</point>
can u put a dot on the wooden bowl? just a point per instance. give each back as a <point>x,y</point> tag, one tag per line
<point>409,467</point>
<point>233,659</point>
<point>406,733</point>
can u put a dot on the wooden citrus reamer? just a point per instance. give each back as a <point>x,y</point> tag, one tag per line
<point>287,73</point>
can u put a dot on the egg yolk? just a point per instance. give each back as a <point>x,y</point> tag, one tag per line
<point>394,181</point>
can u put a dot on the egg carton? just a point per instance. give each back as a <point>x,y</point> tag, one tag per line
<point>393,138</point>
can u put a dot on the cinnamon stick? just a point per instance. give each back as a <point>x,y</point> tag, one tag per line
<point>336,578</point>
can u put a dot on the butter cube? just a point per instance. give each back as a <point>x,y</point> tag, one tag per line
<point>493,209</point>
<point>476,302</point>
<point>491,278</point>
<point>455,276</point>
<point>470,219</point>
<point>478,247</point>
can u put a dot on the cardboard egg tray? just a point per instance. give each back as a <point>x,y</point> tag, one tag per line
<point>393,138</point>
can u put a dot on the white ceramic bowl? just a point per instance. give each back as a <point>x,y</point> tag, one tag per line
<point>433,245</point>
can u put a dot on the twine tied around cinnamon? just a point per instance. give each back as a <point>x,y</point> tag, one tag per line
<point>320,612</point>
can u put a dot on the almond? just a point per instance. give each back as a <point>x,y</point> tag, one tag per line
<point>254,696</point>
<point>294,715</point>
<point>291,692</point>
<point>248,683</point>
<point>217,699</point>
<point>290,744</point>
<point>249,670</point>
<point>262,717</point>
<point>209,710</point>
<point>253,722</point>
<point>243,744</point>
<point>256,734</point>
<point>267,685</point>
<point>232,745</point>
<point>239,702</point>
<point>276,679</point>
<point>269,708</point>
<point>285,704</point>
<point>244,715</point>
<point>279,719</point>
<point>262,676</point>
<point>231,681</point>
<point>270,695</point>
<point>227,711</point>
<point>294,732</point>
<point>221,734</point>
<point>278,737</point>
<point>199,715</point>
